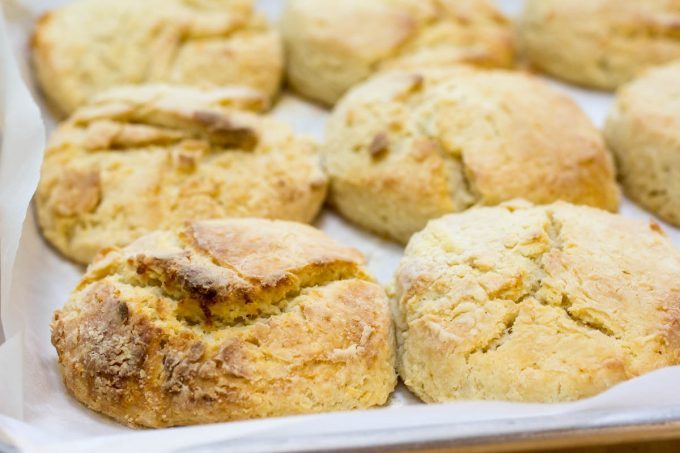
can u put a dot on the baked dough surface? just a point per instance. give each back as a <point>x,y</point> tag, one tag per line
<point>140,158</point>
<point>332,45</point>
<point>409,146</point>
<point>88,46</point>
<point>600,43</point>
<point>643,131</point>
<point>225,320</point>
<point>535,303</point>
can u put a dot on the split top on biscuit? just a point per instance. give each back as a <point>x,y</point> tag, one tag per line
<point>140,158</point>
<point>535,303</point>
<point>224,320</point>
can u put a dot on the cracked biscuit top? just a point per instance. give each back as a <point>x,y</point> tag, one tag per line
<point>406,147</point>
<point>88,46</point>
<point>332,45</point>
<point>540,304</point>
<point>225,320</point>
<point>140,158</point>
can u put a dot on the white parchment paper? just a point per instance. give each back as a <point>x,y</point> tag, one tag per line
<point>37,414</point>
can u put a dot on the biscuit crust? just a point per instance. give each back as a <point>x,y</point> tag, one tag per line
<point>88,46</point>
<point>600,43</point>
<point>332,45</point>
<point>643,131</point>
<point>140,158</point>
<point>536,304</point>
<point>226,320</point>
<point>406,147</point>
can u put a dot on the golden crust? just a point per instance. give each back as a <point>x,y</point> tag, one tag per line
<point>540,304</point>
<point>87,46</point>
<point>226,320</point>
<point>406,147</point>
<point>140,158</point>
<point>333,45</point>
<point>643,131</point>
<point>600,43</point>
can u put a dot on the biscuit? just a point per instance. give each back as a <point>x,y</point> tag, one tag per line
<point>141,158</point>
<point>535,304</point>
<point>224,320</point>
<point>332,45</point>
<point>643,131</point>
<point>88,46</point>
<point>599,43</point>
<point>406,147</point>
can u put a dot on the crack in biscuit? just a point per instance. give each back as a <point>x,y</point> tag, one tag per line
<point>203,287</point>
<point>215,278</point>
<point>499,340</point>
<point>157,127</point>
<point>484,18</point>
<point>592,325</point>
<point>461,180</point>
<point>200,296</point>
<point>462,189</point>
<point>554,230</point>
<point>211,303</point>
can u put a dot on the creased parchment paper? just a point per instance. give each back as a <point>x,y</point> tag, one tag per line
<point>37,414</point>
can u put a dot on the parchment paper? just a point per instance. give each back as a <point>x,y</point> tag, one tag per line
<point>37,414</point>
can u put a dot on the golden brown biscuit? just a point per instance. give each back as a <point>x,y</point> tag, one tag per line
<point>88,46</point>
<point>643,131</point>
<point>226,320</point>
<point>540,304</point>
<point>406,147</point>
<point>332,45</point>
<point>140,158</point>
<point>600,43</point>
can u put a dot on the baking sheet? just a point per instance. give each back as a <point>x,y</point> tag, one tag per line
<point>37,414</point>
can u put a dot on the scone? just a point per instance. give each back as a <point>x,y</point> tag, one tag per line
<point>224,320</point>
<point>88,46</point>
<point>599,43</point>
<point>643,131</point>
<point>332,45</point>
<point>140,158</point>
<point>407,147</point>
<point>535,304</point>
